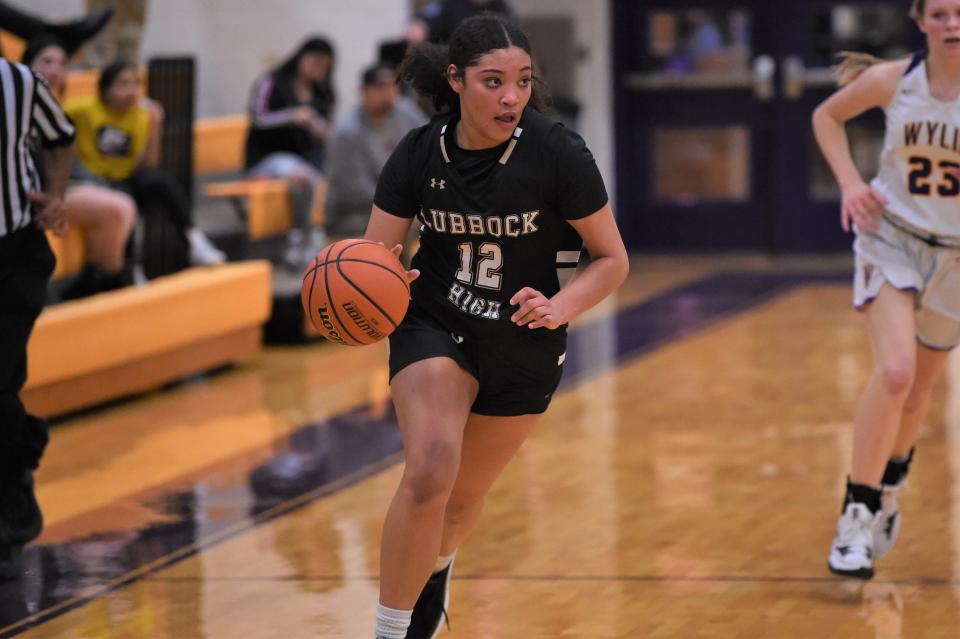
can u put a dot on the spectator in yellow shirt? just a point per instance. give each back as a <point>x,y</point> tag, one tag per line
<point>118,145</point>
<point>106,216</point>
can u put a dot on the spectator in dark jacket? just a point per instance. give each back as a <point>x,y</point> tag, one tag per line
<point>290,109</point>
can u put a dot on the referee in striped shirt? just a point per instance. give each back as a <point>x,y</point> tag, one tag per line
<point>29,204</point>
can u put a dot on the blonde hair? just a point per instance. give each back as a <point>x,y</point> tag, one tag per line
<point>854,63</point>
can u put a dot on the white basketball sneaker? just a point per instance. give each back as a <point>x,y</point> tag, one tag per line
<point>888,527</point>
<point>852,552</point>
<point>202,250</point>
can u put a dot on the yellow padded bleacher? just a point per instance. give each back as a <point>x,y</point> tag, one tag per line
<point>83,83</point>
<point>70,251</point>
<point>218,147</point>
<point>267,204</point>
<point>11,45</point>
<point>138,338</point>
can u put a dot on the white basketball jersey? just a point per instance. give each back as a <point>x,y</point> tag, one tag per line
<point>922,139</point>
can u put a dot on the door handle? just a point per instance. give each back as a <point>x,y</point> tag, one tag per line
<point>764,69</point>
<point>793,77</point>
<point>797,78</point>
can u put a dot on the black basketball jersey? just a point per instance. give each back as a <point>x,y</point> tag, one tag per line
<point>484,239</point>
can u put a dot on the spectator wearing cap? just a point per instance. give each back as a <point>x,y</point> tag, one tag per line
<point>360,145</point>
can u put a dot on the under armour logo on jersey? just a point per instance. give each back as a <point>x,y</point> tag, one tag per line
<point>434,183</point>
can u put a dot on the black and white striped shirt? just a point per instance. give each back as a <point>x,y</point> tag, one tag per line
<point>26,105</point>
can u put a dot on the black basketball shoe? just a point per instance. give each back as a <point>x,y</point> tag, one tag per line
<point>20,520</point>
<point>9,562</point>
<point>430,611</point>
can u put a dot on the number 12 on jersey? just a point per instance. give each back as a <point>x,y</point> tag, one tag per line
<point>487,274</point>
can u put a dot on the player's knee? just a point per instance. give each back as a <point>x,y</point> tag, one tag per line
<point>302,180</point>
<point>296,181</point>
<point>125,211</point>
<point>897,376</point>
<point>431,469</point>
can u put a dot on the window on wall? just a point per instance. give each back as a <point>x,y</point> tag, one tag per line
<point>701,163</point>
<point>698,40</point>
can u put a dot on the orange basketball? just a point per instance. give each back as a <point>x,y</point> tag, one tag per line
<point>355,292</point>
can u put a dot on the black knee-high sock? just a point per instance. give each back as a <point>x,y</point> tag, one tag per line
<point>862,494</point>
<point>897,469</point>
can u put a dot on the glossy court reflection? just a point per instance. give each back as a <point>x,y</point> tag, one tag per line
<point>683,485</point>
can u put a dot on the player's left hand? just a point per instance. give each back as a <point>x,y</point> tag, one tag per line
<point>536,311</point>
<point>412,274</point>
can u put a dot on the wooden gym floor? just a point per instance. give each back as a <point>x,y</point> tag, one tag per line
<point>685,483</point>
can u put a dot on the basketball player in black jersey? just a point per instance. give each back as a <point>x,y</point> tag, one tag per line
<point>503,196</point>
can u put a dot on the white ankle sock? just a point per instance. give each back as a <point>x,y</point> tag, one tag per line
<point>392,624</point>
<point>443,562</point>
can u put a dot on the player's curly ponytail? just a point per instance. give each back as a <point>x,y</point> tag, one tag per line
<point>425,67</point>
<point>426,64</point>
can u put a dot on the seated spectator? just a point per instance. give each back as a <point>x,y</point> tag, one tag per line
<point>289,110</point>
<point>105,216</point>
<point>359,147</point>
<point>71,35</point>
<point>118,145</point>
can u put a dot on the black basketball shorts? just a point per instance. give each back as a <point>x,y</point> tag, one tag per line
<point>516,377</point>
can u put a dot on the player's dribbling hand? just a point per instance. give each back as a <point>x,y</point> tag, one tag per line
<point>53,213</point>
<point>397,250</point>
<point>862,206</point>
<point>536,311</point>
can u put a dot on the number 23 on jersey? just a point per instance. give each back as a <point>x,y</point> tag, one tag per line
<point>921,182</point>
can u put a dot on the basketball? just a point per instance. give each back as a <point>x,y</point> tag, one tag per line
<point>355,292</point>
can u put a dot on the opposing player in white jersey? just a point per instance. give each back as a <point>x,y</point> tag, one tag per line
<point>907,279</point>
